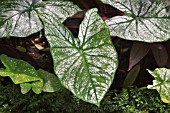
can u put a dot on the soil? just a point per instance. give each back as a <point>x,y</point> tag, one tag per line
<point>36,50</point>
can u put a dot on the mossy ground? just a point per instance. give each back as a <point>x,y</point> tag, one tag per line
<point>132,100</point>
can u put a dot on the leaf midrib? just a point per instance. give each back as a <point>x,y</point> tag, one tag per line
<point>86,66</point>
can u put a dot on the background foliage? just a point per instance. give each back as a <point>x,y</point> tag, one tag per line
<point>135,15</point>
<point>126,101</point>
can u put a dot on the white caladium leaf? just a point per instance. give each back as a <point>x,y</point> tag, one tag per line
<point>85,65</point>
<point>60,8</point>
<point>21,17</point>
<point>144,20</point>
<point>161,82</point>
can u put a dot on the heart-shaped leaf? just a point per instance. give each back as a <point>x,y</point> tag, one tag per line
<point>60,8</point>
<point>21,72</point>
<point>144,20</point>
<point>20,17</point>
<point>85,65</point>
<point>24,74</point>
<point>161,82</point>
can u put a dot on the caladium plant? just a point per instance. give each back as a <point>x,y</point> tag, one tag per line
<point>85,65</point>
<point>20,18</point>
<point>24,74</point>
<point>161,83</point>
<point>144,20</point>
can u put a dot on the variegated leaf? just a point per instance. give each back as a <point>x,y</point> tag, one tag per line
<point>85,65</point>
<point>144,20</point>
<point>161,82</point>
<point>21,17</point>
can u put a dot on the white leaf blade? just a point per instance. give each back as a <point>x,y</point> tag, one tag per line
<point>20,19</point>
<point>143,20</point>
<point>85,66</point>
<point>60,8</point>
<point>161,82</point>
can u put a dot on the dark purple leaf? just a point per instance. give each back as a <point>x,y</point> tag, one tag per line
<point>131,76</point>
<point>160,54</point>
<point>138,51</point>
<point>87,3</point>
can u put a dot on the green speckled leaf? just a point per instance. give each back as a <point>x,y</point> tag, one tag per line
<point>51,82</point>
<point>20,17</point>
<point>85,65</point>
<point>22,72</point>
<point>37,86</point>
<point>4,72</point>
<point>161,82</point>
<point>25,87</point>
<point>144,20</point>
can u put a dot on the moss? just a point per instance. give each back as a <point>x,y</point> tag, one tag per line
<point>132,100</point>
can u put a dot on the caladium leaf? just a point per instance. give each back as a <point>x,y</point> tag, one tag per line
<point>24,71</point>
<point>144,20</point>
<point>51,82</point>
<point>60,8</point>
<point>24,74</point>
<point>160,54</point>
<point>138,51</point>
<point>85,65</point>
<point>161,82</point>
<point>20,17</point>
